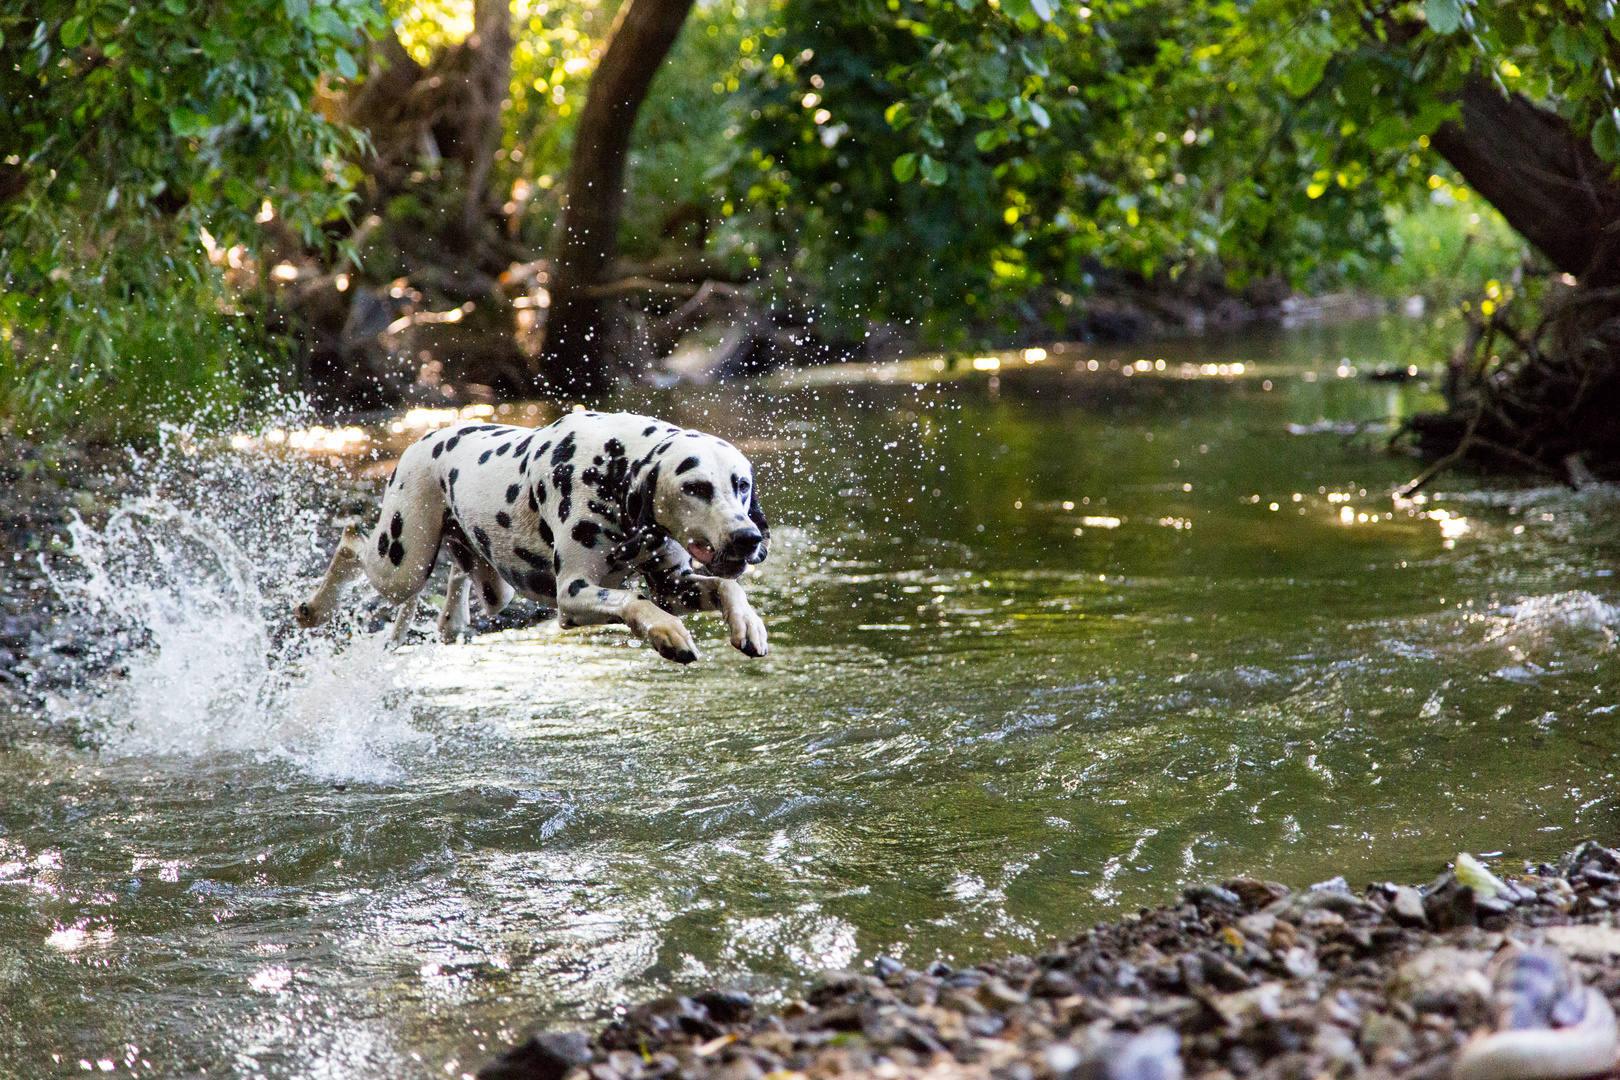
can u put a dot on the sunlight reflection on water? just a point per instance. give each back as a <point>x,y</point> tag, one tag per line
<point>1038,657</point>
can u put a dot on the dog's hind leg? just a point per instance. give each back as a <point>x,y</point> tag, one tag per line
<point>346,565</point>
<point>453,619</point>
<point>402,622</point>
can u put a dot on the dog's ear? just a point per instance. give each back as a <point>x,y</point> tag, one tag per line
<point>638,506</point>
<point>757,516</point>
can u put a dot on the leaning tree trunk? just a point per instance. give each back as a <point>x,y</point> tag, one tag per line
<point>574,357</point>
<point>1549,184</point>
<point>1544,398</point>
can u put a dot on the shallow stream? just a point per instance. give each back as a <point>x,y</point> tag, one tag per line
<point>1047,643</point>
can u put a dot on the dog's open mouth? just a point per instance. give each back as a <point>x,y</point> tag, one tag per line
<point>700,550</point>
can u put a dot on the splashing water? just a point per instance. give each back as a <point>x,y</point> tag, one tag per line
<point>194,620</point>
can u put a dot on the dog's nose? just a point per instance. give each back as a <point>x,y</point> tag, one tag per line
<point>743,544</point>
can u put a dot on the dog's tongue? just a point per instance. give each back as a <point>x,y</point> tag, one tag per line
<point>700,551</point>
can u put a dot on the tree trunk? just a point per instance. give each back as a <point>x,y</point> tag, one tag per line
<point>1549,184</point>
<point>574,356</point>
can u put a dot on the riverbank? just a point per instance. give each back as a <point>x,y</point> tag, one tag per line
<point>42,487</point>
<point>1242,979</point>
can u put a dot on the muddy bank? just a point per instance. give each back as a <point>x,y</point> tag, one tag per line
<point>1244,978</point>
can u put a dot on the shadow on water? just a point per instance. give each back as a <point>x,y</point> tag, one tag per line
<point>1048,642</point>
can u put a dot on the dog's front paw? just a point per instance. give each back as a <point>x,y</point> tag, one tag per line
<point>747,631</point>
<point>306,616</point>
<point>673,641</point>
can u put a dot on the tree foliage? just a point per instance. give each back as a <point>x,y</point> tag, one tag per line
<point>129,130</point>
<point>988,150</point>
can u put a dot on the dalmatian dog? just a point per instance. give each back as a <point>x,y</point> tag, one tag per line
<point>567,515</point>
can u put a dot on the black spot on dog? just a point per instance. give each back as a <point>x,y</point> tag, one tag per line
<point>556,562</point>
<point>523,446</point>
<point>533,558</point>
<point>450,443</point>
<point>562,477</point>
<point>482,537</point>
<point>534,503</point>
<point>542,583</point>
<point>485,456</point>
<point>396,553</point>
<point>382,543</point>
<point>686,466</point>
<point>491,597</point>
<point>586,532</point>
<point>537,494</point>
<point>543,448</point>
<point>597,460</point>
<point>503,519</point>
<point>396,526</point>
<point>649,430</point>
<point>438,448</point>
<point>453,474</point>
<point>500,451</point>
<point>575,586</point>
<point>603,594</point>
<point>699,489</point>
<point>546,534</point>
<point>512,492</point>
<point>660,448</point>
<point>564,451</point>
<point>441,483</point>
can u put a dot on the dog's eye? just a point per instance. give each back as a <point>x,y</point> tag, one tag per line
<point>742,487</point>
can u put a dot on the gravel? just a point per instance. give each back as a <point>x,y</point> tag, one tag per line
<point>1239,978</point>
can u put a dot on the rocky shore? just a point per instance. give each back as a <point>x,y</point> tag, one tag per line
<point>41,488</point>
<point>1469,976</point>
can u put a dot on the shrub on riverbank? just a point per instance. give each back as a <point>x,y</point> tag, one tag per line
<point>108,331</point>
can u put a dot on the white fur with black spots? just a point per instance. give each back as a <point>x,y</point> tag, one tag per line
<point>567,515</point>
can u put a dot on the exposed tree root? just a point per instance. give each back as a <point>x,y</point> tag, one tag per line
<point>1544,400</point>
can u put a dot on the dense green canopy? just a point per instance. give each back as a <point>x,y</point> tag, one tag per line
<point>970,166</point>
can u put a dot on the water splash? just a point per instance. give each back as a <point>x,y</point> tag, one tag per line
<point>192,606</point>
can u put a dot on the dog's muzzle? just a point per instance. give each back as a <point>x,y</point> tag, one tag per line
<point>741,548</point>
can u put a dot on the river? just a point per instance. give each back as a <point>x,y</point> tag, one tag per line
<point>1047,644</point>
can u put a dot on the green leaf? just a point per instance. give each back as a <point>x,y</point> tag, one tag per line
<point>239,193</point>
<point>1388,133</point>
<point>345,63</point>
<point>74,33</point>
<point>905,167</point>
<point>896,115</point>
<point>1606,137</point>
<point>989,139</point>
<point>995,109</point>
<point>933,172</point>
<point>1444,16</point>
<point>185,123</point>
<point>1038,65</point>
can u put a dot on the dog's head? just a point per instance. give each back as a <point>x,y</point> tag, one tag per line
<point>700,490</point>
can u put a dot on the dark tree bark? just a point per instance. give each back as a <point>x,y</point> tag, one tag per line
<point>1549,184</point>
<point>574,357</point>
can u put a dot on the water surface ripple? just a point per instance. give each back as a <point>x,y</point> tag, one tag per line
<point>1041,653</point>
